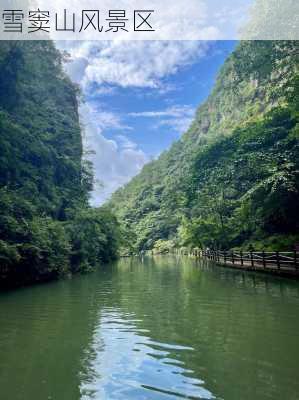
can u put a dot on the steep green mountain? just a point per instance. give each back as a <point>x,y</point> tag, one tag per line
<point>232,179</point>
<point>46,226</point>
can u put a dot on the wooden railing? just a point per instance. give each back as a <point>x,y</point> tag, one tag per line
<point>280,261</point>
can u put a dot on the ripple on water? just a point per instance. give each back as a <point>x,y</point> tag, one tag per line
<point>124,363</point>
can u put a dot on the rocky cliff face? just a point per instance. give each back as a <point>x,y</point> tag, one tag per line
<point>257,82</point>
<point>47,228</point>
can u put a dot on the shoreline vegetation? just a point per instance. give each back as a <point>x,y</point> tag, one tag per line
<point>230,182</point>
<point>47,228</point>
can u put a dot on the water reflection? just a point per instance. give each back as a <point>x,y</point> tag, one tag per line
<point>125,363</point>
<point>157,328</point>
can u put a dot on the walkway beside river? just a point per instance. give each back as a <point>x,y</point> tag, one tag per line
<point>281,263</point>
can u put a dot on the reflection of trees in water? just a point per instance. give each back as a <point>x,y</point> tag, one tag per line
<point>226,315</point>
<point>48,329</point>
<point>239,324</point>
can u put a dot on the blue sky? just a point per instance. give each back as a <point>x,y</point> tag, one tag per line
<point>139,97</point>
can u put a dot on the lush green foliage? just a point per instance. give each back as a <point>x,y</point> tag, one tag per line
<point>46,226</point>
<point>233,178</point>
<point>95,237</point>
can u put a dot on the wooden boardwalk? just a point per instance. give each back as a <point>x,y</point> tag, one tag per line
<point>280,263</point>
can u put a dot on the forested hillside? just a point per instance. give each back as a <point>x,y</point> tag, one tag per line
<point>233,178</point>
<point>46,226</point>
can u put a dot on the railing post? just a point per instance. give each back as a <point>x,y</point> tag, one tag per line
<point>278,260</point>
<point>264,260</point>
<point>224,255</point>
<point>242,261</point>
<point>233,259</point>
<point>251,258</point>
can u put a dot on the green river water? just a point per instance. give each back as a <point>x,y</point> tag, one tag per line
<point>152,328</point>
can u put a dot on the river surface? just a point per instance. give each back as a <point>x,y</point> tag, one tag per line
<point>152,328</point>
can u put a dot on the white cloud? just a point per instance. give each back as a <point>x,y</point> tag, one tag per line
<point>105,119</point>
<point>101,68</point>
<point>180,125</point>
<point>126,143</point>
<point>177,118</point>
<point>114,163</point>
<point>130,63</point>
<point>103,90</point>
<point>174,111</point>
